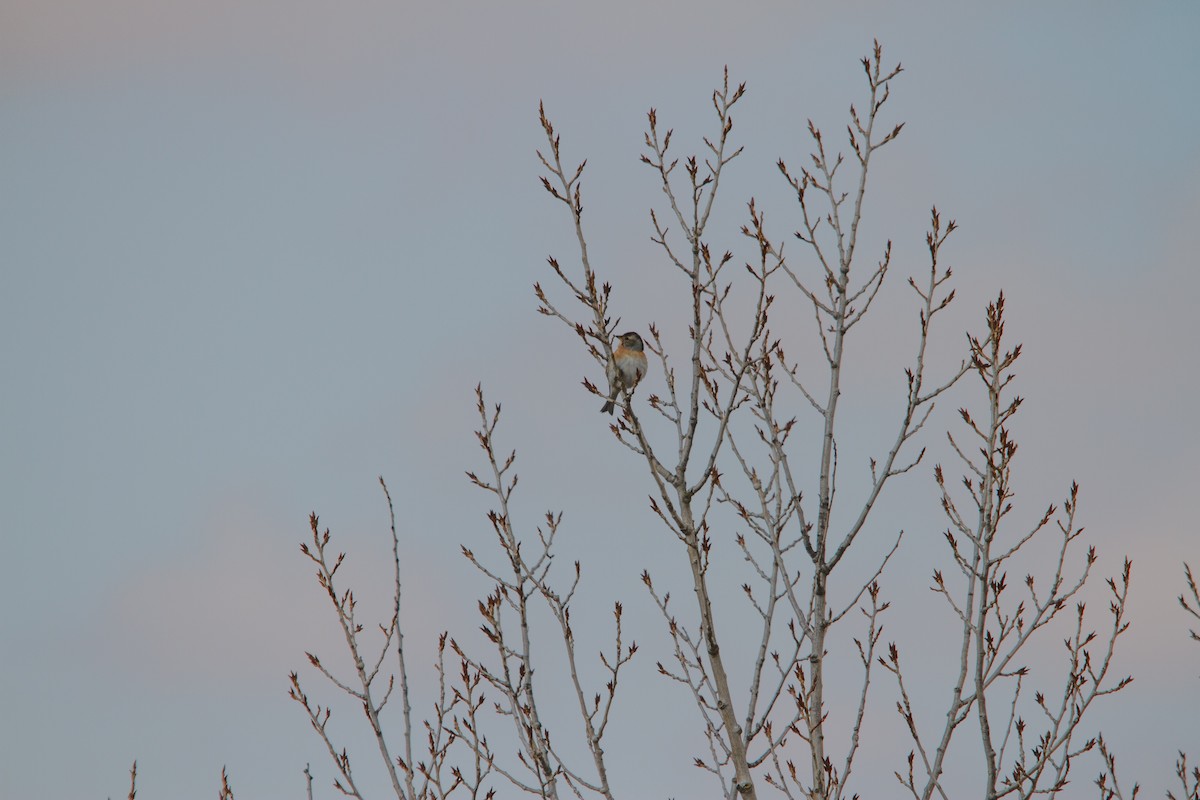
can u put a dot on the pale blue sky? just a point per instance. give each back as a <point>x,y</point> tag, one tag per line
<point>254,254</point>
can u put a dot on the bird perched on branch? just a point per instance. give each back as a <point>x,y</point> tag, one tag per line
<point>626,369</point>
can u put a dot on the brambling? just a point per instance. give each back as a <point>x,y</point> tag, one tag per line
<point>626,369</point>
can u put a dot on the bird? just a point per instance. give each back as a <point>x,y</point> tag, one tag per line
<point>627,368</point>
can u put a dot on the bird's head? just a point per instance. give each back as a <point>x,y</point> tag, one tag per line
<point>632,341</point>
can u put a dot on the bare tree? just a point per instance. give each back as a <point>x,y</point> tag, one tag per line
<point>457,758</point>
<point>432,774</point>
<point>791,540</point>
<point>733,483</point>
<point>995,630</point>
<point>733,371</point>
<point>511,672</point>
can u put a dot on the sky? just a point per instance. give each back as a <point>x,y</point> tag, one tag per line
<point>255,254</point>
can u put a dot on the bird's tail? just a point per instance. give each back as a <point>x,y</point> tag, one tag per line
<point>607,408</point>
